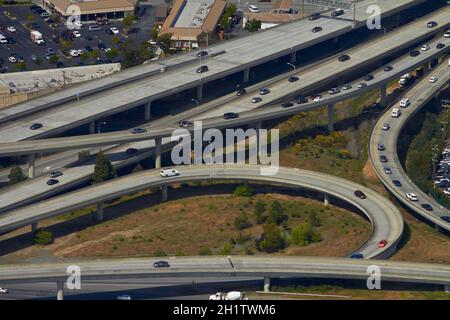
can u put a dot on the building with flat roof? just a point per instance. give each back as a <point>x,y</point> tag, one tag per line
<point>189,18</point>
<point>282,11</point>
<point>90,10</point>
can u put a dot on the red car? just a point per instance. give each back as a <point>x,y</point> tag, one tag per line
<point>382,243</point>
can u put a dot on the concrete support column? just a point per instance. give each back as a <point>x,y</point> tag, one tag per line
<point>147,109</point>
<point>330,117</point>
<point>266,284</point>
<point>447,288</point>
<point>34,227</point>
<point>92,127</point>
<point>326,199</point>
<point>246,74</point>
<point>335,40</point>
<point>31,166</point>
<point>200,92</point>
<point>437,228</point>
<point>158,153</point>
<point>60,290</point>
<point>258,126</point>
<point>99,211</point>
<point>383,95</point>
<point>293,57</point>
<point>164,193</point>
<point>162,68</point>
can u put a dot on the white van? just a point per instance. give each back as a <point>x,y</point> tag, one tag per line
<point>395,112</point>
<point>3,39</point>
<point>253,8</point>
<point>404,102</point>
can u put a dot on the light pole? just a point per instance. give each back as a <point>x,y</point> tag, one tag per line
<point>99,126</point>
<point>196,102</point>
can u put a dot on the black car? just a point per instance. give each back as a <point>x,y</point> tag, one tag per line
<point>301,100</point>
<point>314,16</point>
<point>445,218</point>
<point>360,194</point>
<point>387,68</point>
<point>287,104</point>
<point>51,182</point>
<point>432,24</point>
<point>185,123</point>
<point>316,29</point>
<point>202,69</point>
<point>138,130</point>
<point>343,57</point>
<point>368,77</point>
<point>337,13</point>
<point>241,92</point>
<point>357,256</point>
<point>161,264</point>
<point>381,147</point>
<point>131,151</point>
<point>55,174</point>
<point>414,53</point>
<point>293,79</point>
<point>230,115</point>
<point>440,46</point>
<point>36,126</point>
<point>383,159</point>
<point>202,53</point>
<point>397,183</point>
<point>427,206</point>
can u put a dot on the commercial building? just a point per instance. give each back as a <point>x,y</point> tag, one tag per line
<point>188,19</point>
<point>282,11</point>
<point>91,10</point>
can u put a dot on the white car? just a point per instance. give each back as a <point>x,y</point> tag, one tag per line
<point>76,34</point>
<point>433,79</point>
<point>447,34</point>
<point>447,191</point>
<point>12,59</point>
<point>114,30</point>
<point>395,113</point>
<point>411,196</point>
<point>11,29</point>
<point>107,50</point>
<point>404,102</point>
<point>253,8</point>
<point>124,297</point>
<point>318,98</point>
<point>3,290</point>
<point>74,53</point>
<point>425,47</point>
<point>169,172</point>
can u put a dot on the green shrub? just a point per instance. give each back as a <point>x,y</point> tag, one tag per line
<point>243,191</point>
<point>43,237</point>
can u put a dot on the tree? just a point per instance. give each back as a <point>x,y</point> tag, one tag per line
<point>243,191</point>
<point>241,221</point>
<point>38,61</point>
<point>202,37</point>
<point>226,250</point>
<point>253,25</point>
<point>95,54</point>
<point>260,209</point>
<point>43,237</point>
<point>16,175</point>
<point>112,53</point>
<point>272,240</point>
<point>128,21</point>
<point>84,56</point>
<point>22,66</point>
<point>304,234</point>
<point>164,41</point>
<point>314,220</point>
<point>226,17</point>
<point>154,34</point>
<point>103,169</point>
<point>54,59</point>
<point>277,213</point>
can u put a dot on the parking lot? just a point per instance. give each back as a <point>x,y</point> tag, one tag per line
<point>33,55</point>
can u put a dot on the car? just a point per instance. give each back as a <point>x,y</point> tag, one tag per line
<point>3,290</point>
<point>11,29</point>
<point>411,196</point>
<point>440,46</point>
<point>131,151</point>
<point>114,30</point>
<point>397,183</point>
<point>50,51</point>
<point>362,85</point>
<point>316,29</point>
<point>404,103</point>
<point>287,105</point>
<point>52,182</point>
<point>317,98</point>
<point>138,130</point>
<point>387,68</point>
<point>10,40</point>
<point>74,53</point>
<point>44,14</point>
<point>241,92</point>
<point>185,123</point>
<point>387,170</point>
<point>432,24</point>
<point>202,53</point>
<point>357,256</point>
<point>337,12</point>
<point>395,113</point>
<point>49,20</point>
<point>433,79</point>
<point>256,100</point>
<point>95,28</point>
<point>382,243</point>
<point>386,126</point>
<point>425,47</point>
<point>252,8</point>
<point>346,86</point>
<point>445,218</point>
<point>202,69</point>
<point>343,57</point>
<point>124,297</point>
<point>301,100</point>
<point>334,91</point>
<point>12,58</point>
<point>264,91</point>
<point>106,50</point>
<point>168,172</point>
<point>88,49</point>
<point>381,147</point>
<point>33,57</point>
<point>383,159</point>
<point>447,34</point>
<point>293,79</point>
<point>315,16</point>
<point>360,194</point>
<point>230,115</point>
<point>368,77</point>
<point>427,206</point>
<point>414,53</point>
<point>161,264</point>
<point>36,126</point>
<point>55,174</point>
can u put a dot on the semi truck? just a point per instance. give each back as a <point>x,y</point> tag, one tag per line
<point>36,37</point>
<point>232,295</point>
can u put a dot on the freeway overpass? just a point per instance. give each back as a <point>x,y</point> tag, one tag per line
<point>419,96</point>
<point>232,266</point>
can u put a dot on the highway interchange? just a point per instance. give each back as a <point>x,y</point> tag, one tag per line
<point>59,112</point>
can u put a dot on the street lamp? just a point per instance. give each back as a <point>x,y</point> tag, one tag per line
<point>99,126</point>
<point>196,102</point>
